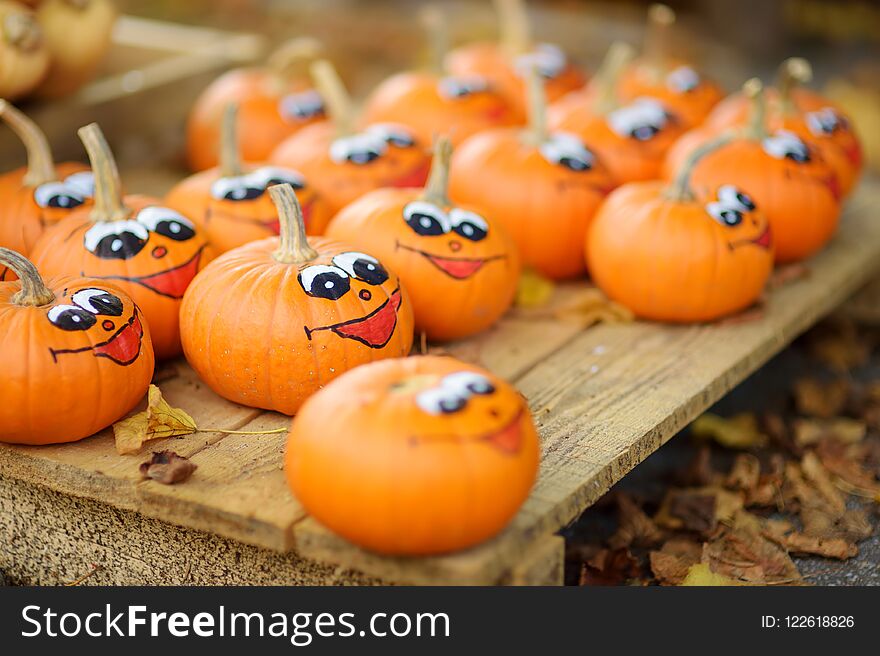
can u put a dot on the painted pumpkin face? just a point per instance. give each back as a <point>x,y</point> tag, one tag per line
<point>342,169</point>
<point>687,93</point>
<point>428,104</point>
<point>421,417</point>
<point>688,259</point>
<point>86,351</point>
<point>317,311</point>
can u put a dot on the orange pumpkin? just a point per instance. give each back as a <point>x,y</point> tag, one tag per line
<point>544,187</point>
<point>681,254</point>
<point>229,203</point>
<point>24,56</point>
<point>432,102</point>
<point>459,267</point>
<point>787,177</point>
<point>276,101</point>
<point>39,194</point>
<point>269,323</point>
<point>76,355</point>
<point>629,139</point>
<point>413,456</point>
<point>659,74</point>
<point>507,63</point>
<point>151,252</point>
<point>343,164</point>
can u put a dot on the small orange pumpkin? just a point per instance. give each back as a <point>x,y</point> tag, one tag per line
<point>229,203</point>
<point>507,63</point>
<point>269,323</point>
<point>681,254</point>
<point>671,80</point>
<point>151,252</point>
<point>459,267</point>
<point>275,100</point>
<point>76,355</point>
<point>40,194</point>
<point>24,57</point>
<point>543,187</point>
<point>432,102</point>
<point>787,177</point>
<point>413,456</point>
<point>342,163</point>
<point>630,139</point>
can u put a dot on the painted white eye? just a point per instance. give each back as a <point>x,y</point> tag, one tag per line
<point>116,240</point>
<point>301,106</point>
<point>98,301</point>
<point>724,214</point>
<point>71,317</point>
<point>569,151</point>
<point>166,222</point>
<point>824,122</point>
<point>82,183</point>
<point>731,196</point>
<point>462,86</point>
<point>547,58</point>
<point>426,219</point>
<point>58,194</point>
<point>440,401</point>
<point>267,176</point>
<point>236,188</point>
<point>469,225</point>
<point>358,149</point>
<point>324,281</point>
<point>786,145</point>
<point>362,266</point>
<point>640,120</point>
<point>467,383</point>
<point>392,133</point>
<point>683,79</point>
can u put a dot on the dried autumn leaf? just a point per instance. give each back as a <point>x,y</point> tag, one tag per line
<point>737,432</point>
<point>818,477</point>
<point>838,345</point>
<point>610,567</point>
<point>839,460</point>
<point>533,290</point>
<point>167,467</point>
<point>697,509</point>
<point>823,400</point>
<point>701,575</point>
<point>745,473</point>
<point>635,527</point>
<point>158,420</point>
<point>811,431</point>
<point>671,564</point>
<point>743,552</point>
<point>590,307</point>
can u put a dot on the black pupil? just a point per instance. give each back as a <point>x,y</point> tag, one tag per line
<point>470,231</point>
<point>798,155</point>
<point>74,319</point>
<point>452,404</point>
<point>369,272</point>
<point>65,202</point>
<point>644,132</point>
<point>120,246</point>
<point>745,201</point>
<point>575,164</point>
<point>731,217</point>
<point>243,193</point>
<point>329,285</point>
<point>363,156</point>
<point>425,224</point>
<point>399,140</point>
<point>174,230</point>
<point>481,387</point>
<point>107,304</point>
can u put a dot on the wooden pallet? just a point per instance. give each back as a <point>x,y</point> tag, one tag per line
<point>604,399</point>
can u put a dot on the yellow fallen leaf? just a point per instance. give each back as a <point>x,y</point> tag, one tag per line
<point>701,575</point>
<point>533,290</point>
<point>737,432</point>
<point>158,420</point>
<point>129,433</point>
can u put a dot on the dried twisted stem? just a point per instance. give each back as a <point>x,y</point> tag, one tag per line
<point>34,292</point>
<point>294,247</point>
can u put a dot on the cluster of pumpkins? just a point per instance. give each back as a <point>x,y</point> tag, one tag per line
<point>38,56</point>
<point>295,267</point>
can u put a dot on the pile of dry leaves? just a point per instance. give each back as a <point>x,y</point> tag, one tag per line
<point>804,482</point>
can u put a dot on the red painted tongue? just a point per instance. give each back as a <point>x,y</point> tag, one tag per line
<point>457,268</point>
<point>125,346</point>
<point>834,186</point>
<point>509,439</point>
<point>764,239</point>
<point>377,329</point>
<point>174,281</point>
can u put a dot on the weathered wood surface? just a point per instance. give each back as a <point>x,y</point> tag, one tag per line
<point>604,399</point>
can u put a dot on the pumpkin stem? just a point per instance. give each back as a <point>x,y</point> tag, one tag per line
<point>41,167</point>
<point>438,181</point>
<point>434,23</point>
<point>536,134</point>
<point>756,128</point>
<point>230,157</point>
<point>516,37</point>
<point>658,40</point>
<point>793,72</point>
<point>333,91</point>
<point>604,82</point>
<point>291,54</point>
<point>294,248</point>
<point>109,205</point>
<point>680,189</point>
<point>34,292</point>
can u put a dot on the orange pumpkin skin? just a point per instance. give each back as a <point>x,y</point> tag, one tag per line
<point>377,455</point>
<point>460,281</point>
<point>687,94</point>
<point>631,141</point>
<point>232,211</point>
<point>268,114</point>
<point>429,105</point>
<point>64,384</point>
<point>319,154</point>
<point>544,206</point>
<point>159,253</point>
<point>256,336</point>
<point>673,260</point>
<point>505,73</point>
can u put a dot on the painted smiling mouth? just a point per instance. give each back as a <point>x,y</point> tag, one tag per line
<point>171,283</point>
<point>763,240</point>
<point>509,438</point>
<point>123,347</point>
<point>373,330</point>
<point>459,268</point>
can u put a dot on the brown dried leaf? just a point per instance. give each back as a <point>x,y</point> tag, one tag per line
<point>823,400</point>
<point>167,467</point>
<point>839,346</point>
<point>737,432</point>
<point>699,472</point>
<point>821,522</point>
<point>745,473</point>
<point>838,460</point>
<point>590,307</point>
<point>634,526</point>
<point>697,509</point>
<point>811,431</point>
<point>801,543</point>
<point>673,561</point>
<point>610,567</point>
<point>158,420</point>
<point>818,477</point>
<point>742,552</point>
